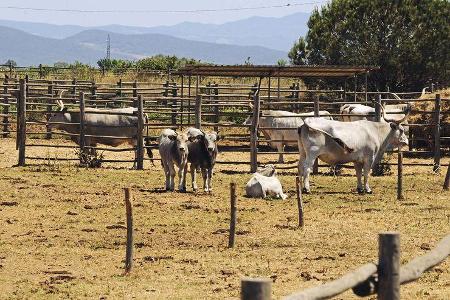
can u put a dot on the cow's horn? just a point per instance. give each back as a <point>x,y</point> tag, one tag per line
<point>60,104</point>
<point>407,112</point>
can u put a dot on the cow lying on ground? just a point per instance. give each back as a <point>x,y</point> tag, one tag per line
<point>264,183</point>
<point>97,124</point>
<point>361,142</point>
<point>202,155</point>
<point>284,120</point>
<point>173,150</point>
<point>355,112</point>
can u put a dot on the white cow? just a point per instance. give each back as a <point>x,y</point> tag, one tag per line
<point>361,142</point>
<point>284,120</point>
<point>264,183</point>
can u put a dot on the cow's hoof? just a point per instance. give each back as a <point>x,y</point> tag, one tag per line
<point>305,191</point>
<point>182,190</point>
<point>368,191</point>
<point>360,191</point>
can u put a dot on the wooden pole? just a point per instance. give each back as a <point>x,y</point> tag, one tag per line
<point>129,249</point>
<point>135,93</point>
<point>378,108</point>
<point>365,86</point>
<point>82,128</point>
<point>437,133</point>
<point>5,109</point>
<point>256,289</point>
<point>299,201</point>
<point>189,98</point>
<point>355,87</point>
<point>119,85</point>
<point>74,87</point>
<point>316,114</point>
<point>50,92</point>
<point>93,91</point>
<point>216,106</point>
<point>233,210</point>
<point>174,104</point>
<point>389,266</point>
<point>22,129</point>
<point>182,100</point>
<point>140,133</point>
<point>254,134</point>
<point>400,175</point>
<point>447,178</point>
<point>41,73</point>
<point>198,111</point>
<point>278,88</point>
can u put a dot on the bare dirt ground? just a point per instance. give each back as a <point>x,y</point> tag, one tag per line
<point>62,233</point>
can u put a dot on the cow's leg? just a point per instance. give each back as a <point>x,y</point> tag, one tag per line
<point>301,163</point>
<point>280,149</point>
<point>367,169</point>
<point>172,176</point>
<point>205,180</point>
<point>307,168</point>
<point>193,175</point>
<point>167,174</point>
<point>181,177</point>
<point>209,173</point>
<point>358,169</point>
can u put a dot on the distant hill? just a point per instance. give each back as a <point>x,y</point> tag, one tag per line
<point>274,33</point>
<point>89,46</point>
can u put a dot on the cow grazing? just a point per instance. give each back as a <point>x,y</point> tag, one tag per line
<point>202,155</point>
<point>285,120</point>
<point>264,183</point>
<point>361,142</point>
<point>108,125</point>
<point>173,150</point>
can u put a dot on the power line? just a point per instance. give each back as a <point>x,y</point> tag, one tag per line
<point>286,5</point>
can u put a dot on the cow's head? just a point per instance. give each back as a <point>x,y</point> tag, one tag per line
<point>211,141</point>
<point>208,139</point>
<point>180,140</point>
<point>399,138</point>
<point>59,116</point>
<point>267,170</point>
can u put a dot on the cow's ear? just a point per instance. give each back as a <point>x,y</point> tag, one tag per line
<point>394,126</point>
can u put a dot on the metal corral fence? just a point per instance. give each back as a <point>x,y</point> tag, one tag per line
<point>383,278</point>
<point>204,104</point>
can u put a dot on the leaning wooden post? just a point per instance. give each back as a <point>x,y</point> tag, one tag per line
<point>82,128</point>
<point>299,201</point>
<point>400,175</point>
<point>50,92</point>
<point>437,133</point>
<point>389,266</point>
<point>198,111</point>
<point>140,135</point>
<point>129,249</point>
<point>233,210</point>
<point>5,108</point>
<point>447,178</point>
<point>254,134</point>
<point>256,289</point>
<point>22,129</point>
<point>316,114</point>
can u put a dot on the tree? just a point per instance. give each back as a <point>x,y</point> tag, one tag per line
<point>298,55</point>
<point>408,39</point>
<point>11,62</point>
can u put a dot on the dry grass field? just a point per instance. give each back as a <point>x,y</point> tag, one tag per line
<point>62,233</point>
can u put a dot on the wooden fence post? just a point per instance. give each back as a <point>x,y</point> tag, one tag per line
<point>129,248</point>
<point>254,134</point>
<point>82,128</point>
<point>298,186</point>
<point>216,106</point>
<point>5,109</point>
<point>135,93</point>
<point>400,175</point>
<point>174,104</point>
<point>41,72</point>
<point>22,117</point>
<point>119,88</point>
<point>389,266</point>
<point>378,108</point>
<point>256,289</point>
<point>140,133</point>
<point>315,170</point>
<point>50,92</point>
<point>437,133</point>
<point>198,111</point>
<point>93,91</point>
<point>233,210</point>
<point>74,87</point>
<point>447,178</point>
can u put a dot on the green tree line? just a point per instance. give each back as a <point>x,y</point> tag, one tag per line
<point>408,39</point>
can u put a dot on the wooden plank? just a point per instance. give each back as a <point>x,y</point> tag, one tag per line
<point>389,266</point>
<point>233,209</point>
<point>22,129</point>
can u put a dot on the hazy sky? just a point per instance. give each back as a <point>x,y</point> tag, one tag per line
<point>146,18</point>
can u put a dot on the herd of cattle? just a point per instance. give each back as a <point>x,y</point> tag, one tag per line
<point>356,138</point>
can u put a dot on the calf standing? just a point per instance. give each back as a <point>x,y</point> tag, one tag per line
<point>173,150</point>
<point>264,183</point>
<point>202,154</point>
